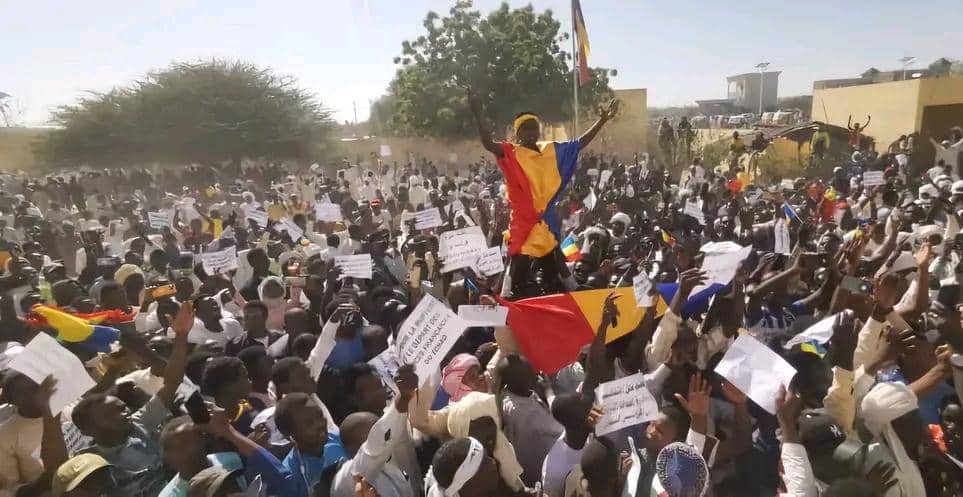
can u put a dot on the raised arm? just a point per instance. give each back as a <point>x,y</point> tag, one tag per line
<point>598,367</point>
<point>483,132</point>
<point>604,115</point>
<point>868,119</point>
<point>174,372</point>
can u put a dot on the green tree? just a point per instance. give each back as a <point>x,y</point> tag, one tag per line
<point>514,56</point>
<point>209,112</point>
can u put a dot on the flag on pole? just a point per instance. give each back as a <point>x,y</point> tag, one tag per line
<point>582,42</point>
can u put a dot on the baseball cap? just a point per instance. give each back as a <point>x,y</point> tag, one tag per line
<point>819,432</point>
<point>75,471</point>
<point>208,482</point>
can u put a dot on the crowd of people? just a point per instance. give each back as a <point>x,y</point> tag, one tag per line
<point>263,375</point>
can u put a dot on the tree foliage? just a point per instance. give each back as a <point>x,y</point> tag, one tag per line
<point>209,112</point>
<point>513,55</point>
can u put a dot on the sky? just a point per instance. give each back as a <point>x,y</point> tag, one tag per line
<point>52,52</point>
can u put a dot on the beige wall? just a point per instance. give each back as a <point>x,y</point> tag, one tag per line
<point>16,147</point>
<point>626,134</point>
<point>894,108</point>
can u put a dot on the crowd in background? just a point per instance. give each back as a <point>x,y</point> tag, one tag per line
<point>260,380</point>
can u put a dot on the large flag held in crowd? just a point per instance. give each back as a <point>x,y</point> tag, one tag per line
<point>551,330</point>
<point>582,42</point>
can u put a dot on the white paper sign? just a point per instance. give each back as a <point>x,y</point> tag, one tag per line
<point>385,150</point>
<point>461,248</point>
<point>820,332</point>
<point>720,262</point>
<point>590,200</point>
<point>259,217</point>
<point>787,184</point>
<point>328,212</point>
<point>873,178</point>
<point>642,285</point>
<point>694,209</point>
<point>354,266</point>
<point>424,339</point>
<point>428,218</point>
<point>490,262</point>
<point>483,315</point>
<point>294,231</point>
<point>781,237</point>
<point>43,357</point>
<point>387,366</point>
<point>756,370</point>
<point>604,178</point>
<point>159,219</point>
<point>625,402</point>
<point>219,262</point>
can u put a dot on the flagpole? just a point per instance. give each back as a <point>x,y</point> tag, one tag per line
<point>574,75</point>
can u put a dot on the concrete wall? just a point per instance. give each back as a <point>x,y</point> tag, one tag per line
<point>894,107</point>
<point>941,91</point>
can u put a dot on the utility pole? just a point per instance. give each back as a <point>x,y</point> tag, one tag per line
<point>762,88</point>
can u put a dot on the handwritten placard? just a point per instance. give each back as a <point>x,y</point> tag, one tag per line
<point>354,266</point>
<point>259,217</point>
<point>43,357</point>
<point>427,335</point>
<point>386,365</point>
<point>328,212</point>
<point>461,248</point>
<point>490,262</point>
<point>642,286</point>
<point>625,402</point>
<point>294,231</point>
<point>220,261</point>
<point>159,219</point>
<point>483,315</point>
<point>873,178</point>
<point>427,219</point>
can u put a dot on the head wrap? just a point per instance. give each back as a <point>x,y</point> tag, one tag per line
<point>522,119</point>
<point>680,471</point>
<point>454,372</point>
<point>884,403</point>
<point>477,405</point>
<point>126,271</point>
<point>466,471</point>
<point>622,218</point>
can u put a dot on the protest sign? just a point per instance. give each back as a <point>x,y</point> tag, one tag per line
<point>426,336</point>
<point>158,220</point>
<point>428,218</point>
<point>756,370</point>
<point>590,200</point>
<point>781,237</point>
<point>873,178</point>
<point>461,248</point>
<point>720,262</point>
<point>490,262</point>
<point>385,150</point>
<point>221,261</point>
<point>625,402</point>
<point>43,357</point>
<point>642,285</point>
<point>387,366</point>
<point>483,315</point>
<point>294,231</point>
<point>604,178</point>
<point>259,217</point>
<point>328,212</point>
<point>694,209</point>
<point>354,266</point>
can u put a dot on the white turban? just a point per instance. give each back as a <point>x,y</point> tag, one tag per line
<point>884,403</point>
<point>621,217</point>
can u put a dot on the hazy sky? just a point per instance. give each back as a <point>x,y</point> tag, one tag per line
<point>681,50</point>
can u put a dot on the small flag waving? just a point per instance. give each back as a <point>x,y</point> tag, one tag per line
<point>582,42</point>
<point>790,213</point>
<point>570,249</point>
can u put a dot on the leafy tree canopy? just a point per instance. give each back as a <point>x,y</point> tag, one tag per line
<point>207,112</point>
<point>513,55</point>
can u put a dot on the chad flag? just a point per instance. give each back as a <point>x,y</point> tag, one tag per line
<point>551,330</point>
<point>582,43</point>
<point>81,330</point>
<point>535,180</point>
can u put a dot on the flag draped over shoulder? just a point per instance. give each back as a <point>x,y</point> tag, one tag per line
<point>582,42</point>
<point>552,329</point>
<point>534,180</point>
